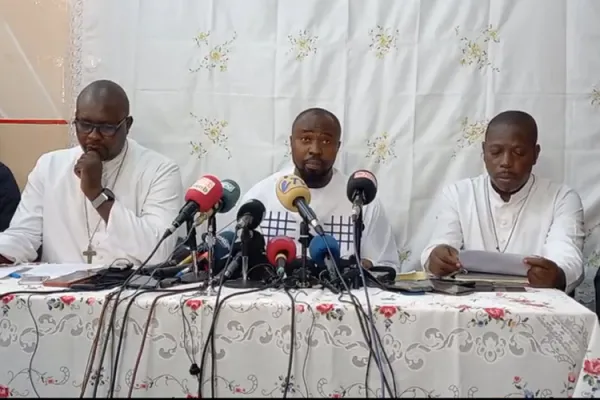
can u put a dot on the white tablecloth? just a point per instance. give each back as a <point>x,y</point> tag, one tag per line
<point>540,343</point>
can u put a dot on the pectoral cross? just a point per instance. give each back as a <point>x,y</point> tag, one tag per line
<point>89,253</point>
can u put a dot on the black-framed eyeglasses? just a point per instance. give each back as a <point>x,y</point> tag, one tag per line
<point>86,128</point>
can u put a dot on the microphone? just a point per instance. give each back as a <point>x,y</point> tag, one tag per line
<point>250,215</point>
<point>201,197</point>
<point>256,246</point>
<point>319,253</point>
<point>230,197</point>
<point>223,243</point>
<point>361,190</point>
<point>294,196</point>
<point>281,251</point>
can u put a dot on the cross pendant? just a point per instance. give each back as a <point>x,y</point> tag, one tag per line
<point>89,253</point>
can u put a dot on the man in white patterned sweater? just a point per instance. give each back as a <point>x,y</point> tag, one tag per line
<point>511,210</point>
<point>108,198</point>
<point>315,142</point>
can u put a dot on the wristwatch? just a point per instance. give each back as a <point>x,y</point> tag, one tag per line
<point>104,196</point>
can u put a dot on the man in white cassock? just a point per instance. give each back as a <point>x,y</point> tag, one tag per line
<point>511,210</point>
<point>109,199</point>
<point>315,142</point>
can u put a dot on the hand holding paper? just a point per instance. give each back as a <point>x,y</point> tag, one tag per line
<point>491,262</point>
<point>443,260</point>
<point>544,273</point>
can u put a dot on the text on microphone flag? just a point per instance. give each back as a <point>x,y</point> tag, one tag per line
<point>288,182</point>
<point>366,175</point>
<point>228,186</point>
<point>204,185</point>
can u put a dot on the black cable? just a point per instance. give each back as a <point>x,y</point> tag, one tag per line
<point>167,292</point>
<point>218,306</point>
<point>292,343</point>
<point>132,298</point>
<point>36,327</point>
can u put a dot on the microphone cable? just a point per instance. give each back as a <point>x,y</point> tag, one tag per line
<point>118,300</point>
<point>363,324</point>
<point>140,290</point>
<point>32,293</point>
<point>210,339</point>
<point>378,346</point>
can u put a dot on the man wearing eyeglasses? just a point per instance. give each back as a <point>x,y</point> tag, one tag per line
<point>108,199</point>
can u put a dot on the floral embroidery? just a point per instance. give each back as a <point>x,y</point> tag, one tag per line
<point>6,300</point>
<point>303,44</point>
<point>330,311</point>
<point>474,51</point>
<point>381,148</point>
<point>195,305</point>
<point>59,303</point>
<point>383,40</point>
<point>4,392</point>
<point>591,370</point>
<point>217,56</point>
<point>214,131</point>
<point>595,97</point>
<point>390,311</point>
<point>522,387</point>
<point>501,316</point>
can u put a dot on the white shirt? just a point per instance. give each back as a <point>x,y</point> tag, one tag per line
<point>547,223</point>
<point>333,210</point>
<point>148,195</point>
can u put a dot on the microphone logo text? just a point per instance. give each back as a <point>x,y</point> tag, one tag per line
<point>203,185</point>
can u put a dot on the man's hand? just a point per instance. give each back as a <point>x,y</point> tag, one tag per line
<point>367,264</point>
<point>89,169</point>
<point>544,273</point>
<point>443,260</point>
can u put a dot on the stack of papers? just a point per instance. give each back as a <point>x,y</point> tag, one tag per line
<point>50,270</point>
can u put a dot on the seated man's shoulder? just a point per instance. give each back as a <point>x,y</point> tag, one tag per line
<point>555,190</point>
<point>55,157</point>
<point>463,186</point>
<point>148,159</point>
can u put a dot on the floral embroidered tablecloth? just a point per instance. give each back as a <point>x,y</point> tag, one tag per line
<point>535,344</point>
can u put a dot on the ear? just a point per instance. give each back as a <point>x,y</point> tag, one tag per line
<point>339,144</point>
<point>537,153</point>
<point>129,122</point>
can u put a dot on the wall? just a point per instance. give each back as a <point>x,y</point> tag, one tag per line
<point>34,37</point>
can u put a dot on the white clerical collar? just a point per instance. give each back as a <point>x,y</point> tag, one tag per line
<point>515,197</point>
<point>115,162</point>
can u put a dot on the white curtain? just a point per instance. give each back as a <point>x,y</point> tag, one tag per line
<point>215,84</point>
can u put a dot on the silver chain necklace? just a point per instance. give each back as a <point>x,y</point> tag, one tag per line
<point>89,252</point>
<point>512,230</point>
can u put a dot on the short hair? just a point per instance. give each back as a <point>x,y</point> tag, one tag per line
<point>105,89</point>
<point>514,117</point>
<point>320,112</point>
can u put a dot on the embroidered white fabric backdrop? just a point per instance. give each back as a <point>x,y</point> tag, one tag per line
<point>216,84</point>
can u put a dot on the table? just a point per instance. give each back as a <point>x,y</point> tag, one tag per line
<point>540,343</point>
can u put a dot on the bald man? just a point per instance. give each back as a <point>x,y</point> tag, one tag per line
<point>511,210</point>
<point>108,199</point>
<point>315,141</point>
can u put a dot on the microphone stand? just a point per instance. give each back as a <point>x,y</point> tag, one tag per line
<point>211,239</point>
<point>244,282</point>
<point>303,281</point>
<point>359,226</point>
<point>195,275</point>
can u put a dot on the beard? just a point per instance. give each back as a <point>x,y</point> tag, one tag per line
<point>313,178</point>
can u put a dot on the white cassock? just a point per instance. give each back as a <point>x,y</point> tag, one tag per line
<point>333,209</point>
<point>148,195</point>
<point>543,219</point>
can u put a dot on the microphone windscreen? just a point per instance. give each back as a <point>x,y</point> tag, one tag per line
<point>231,195</point>
<point>318,248</point>
<point>281,245</point>
<point>255,209</point>
<point>288,189</point>
<point>364,182</point>
<point>206,192</point>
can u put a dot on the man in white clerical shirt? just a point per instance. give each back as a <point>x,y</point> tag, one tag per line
<point>315,142</point>
<point>109,199</point>
<point>511,210</point>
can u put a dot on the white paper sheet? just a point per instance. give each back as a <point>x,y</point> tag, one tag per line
<point>6,271</point>
<point>55,270</point>
<point>490,262</point>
